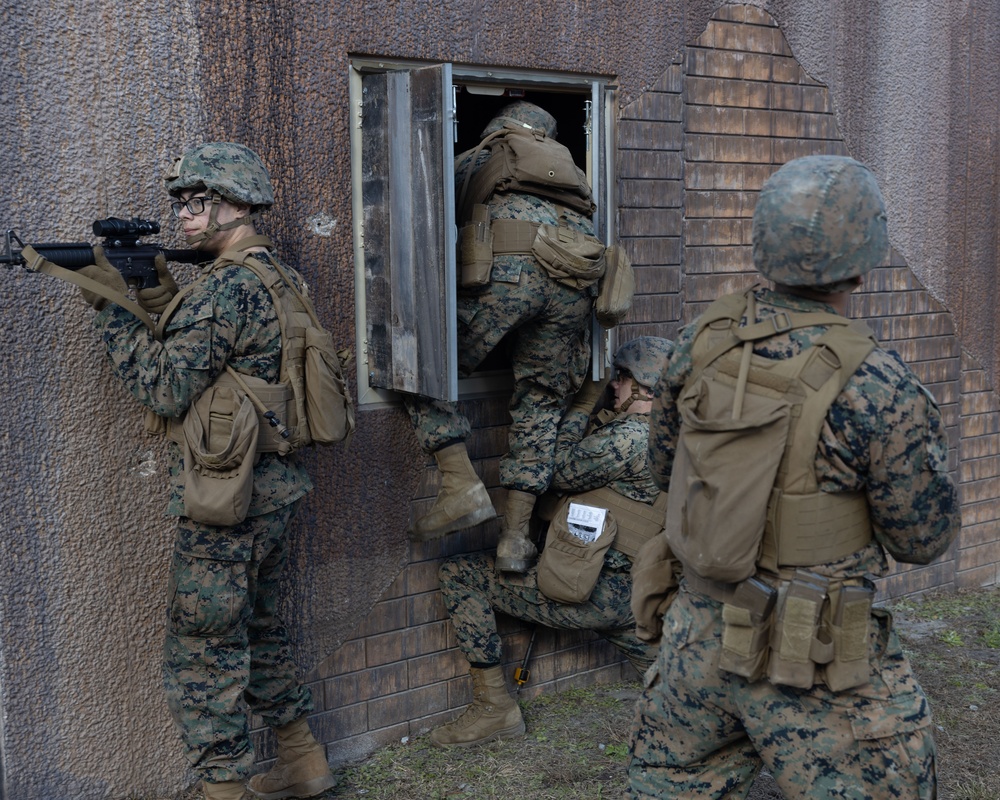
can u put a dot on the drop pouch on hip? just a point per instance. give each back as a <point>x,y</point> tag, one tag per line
<point>569,256</point>
<point>573,556</point>
<point>617,288</point>
<point>220,444</point>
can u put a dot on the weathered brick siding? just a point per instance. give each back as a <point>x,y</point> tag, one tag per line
<point>693,151</point>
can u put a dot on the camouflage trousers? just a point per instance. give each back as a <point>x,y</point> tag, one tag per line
<point>700,732</point>
<point>547,330</point>
<point>226,652</point>
<point>472,592</point>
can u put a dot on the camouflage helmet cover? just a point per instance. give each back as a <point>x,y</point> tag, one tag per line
<point>644,357</point>
<point>233,170</point>
<point>522,113</point>
<point>819,221</point>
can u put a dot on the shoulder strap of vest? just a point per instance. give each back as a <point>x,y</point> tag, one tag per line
<point>832,360</point>
<point>234,256</point>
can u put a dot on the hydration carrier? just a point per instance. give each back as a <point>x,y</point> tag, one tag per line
<point>311,402</point>
<point>743,491</point>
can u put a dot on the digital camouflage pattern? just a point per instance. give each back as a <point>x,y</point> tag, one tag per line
<point>225,646</point>
<point>644,358</point>
<point>222,635</point>
<point>230,319</point>
<point>818,221</point>
<point>233,170</point>
<point>549,346</point>
<point>699,732</point>
<point>473,593</point>
<point>521,112</point>
<point>613,454</point>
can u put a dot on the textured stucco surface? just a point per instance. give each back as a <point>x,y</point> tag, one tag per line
<point>97,97</point>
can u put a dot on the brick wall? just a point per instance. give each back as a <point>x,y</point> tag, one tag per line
<point>693,152</point>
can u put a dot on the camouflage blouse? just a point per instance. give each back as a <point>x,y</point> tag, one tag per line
<point>227,318</point>
<point>612,454</point>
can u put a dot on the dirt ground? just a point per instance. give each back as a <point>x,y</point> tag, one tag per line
<point>576,747</point>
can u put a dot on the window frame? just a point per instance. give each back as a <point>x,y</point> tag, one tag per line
<point>600,163</point>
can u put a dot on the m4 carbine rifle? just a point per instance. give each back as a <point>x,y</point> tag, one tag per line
<point>134,260</point>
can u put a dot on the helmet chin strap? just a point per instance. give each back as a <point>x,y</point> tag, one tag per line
<point>638,393</point>
<point>214,226</point>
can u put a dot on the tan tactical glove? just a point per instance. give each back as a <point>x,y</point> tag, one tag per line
<point>589,394</point>
<point>102,272</point>
<point>654,586</point>
<point>157,298</point>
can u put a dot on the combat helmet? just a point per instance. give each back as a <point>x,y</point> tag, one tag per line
<point>228,171</point>
<point>819,222</point>
<point>521,112</point>
<point>233,170</point>
<point>644,359</point>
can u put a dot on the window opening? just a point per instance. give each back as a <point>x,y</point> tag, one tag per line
<point>582,108</point>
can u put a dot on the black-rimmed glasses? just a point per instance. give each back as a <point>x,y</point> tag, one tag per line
<point>194,205</point>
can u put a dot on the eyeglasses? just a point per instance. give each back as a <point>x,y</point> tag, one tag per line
<point>194,205</point>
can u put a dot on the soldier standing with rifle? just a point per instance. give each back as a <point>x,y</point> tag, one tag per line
<point>797,454</point>
<point>226,654</point>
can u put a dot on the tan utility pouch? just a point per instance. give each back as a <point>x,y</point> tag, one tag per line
<point>798,642</point>
<point>220,443</point>
<point>746,629</point>
<point>569,256</point>
<point>476,248</point>
<point>569,566</point>
<point>614,297</point>
<point>654,585</point>
<point>849,629</point>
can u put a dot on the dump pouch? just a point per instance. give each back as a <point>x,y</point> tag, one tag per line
<point>573,556</point>
<point>614,296</point>
<point>569,256</point>
<point>796,639</point>
<point>476,248</point>
<point>746,631</point>
<point>220,443</point>
<point>849,631</point>
<point>655,583</point>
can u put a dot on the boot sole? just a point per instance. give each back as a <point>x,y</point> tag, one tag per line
<point>309,788</point>
<point>518,565</point>
<point>513,732</point>
<point>460,524</point>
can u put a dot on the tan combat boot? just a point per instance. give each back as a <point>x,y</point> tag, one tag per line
<point>227,790</point>
<point>494,714</point>
<point>515,551</point>
<point>462,500</point>
<point>301,769</point>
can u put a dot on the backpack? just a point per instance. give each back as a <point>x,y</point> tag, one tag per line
<point>747,445</point>
<point>320,409</point>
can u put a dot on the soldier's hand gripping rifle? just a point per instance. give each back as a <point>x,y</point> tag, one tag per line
<point>134,260</point>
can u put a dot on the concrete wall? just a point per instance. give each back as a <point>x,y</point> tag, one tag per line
<point>98,96</point>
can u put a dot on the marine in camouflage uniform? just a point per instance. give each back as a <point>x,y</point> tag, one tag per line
<point>227,653</point>
<point>703,732</point>
<point>547,325</point>
<point>609,451</point>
